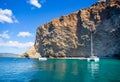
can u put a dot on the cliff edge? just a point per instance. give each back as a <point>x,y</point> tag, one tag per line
<point>69,36</point>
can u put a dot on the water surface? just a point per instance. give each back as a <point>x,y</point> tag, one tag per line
<point>58,70</point>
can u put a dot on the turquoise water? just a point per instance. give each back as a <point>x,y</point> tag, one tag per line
<point>53,70</point>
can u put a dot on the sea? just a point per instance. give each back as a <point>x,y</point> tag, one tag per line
<point>59,70</point>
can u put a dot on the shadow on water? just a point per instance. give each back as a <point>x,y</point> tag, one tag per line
<point>55,70</point>
<point>58,70</point>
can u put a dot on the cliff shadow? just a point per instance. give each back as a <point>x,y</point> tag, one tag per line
<point>82,33</point>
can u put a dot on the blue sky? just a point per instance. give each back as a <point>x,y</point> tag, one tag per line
<point>19,20</point>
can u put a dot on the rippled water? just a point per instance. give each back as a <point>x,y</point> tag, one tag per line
<point>56,70</point>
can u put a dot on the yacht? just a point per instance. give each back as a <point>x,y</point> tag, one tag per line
<point>92,57</point>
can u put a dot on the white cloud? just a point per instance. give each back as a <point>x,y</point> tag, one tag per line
<point>5,35</point>
<point>6,15</point>
<point>35,3</point>
<point>24,34</point>
<point>16,44</point>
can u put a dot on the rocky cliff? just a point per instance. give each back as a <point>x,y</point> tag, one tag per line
<point>70,35</point>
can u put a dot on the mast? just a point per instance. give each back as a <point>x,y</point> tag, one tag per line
<point>92,54</point>
<point>92,57</point>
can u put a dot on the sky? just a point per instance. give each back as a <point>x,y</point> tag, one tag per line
<point>19,20</point>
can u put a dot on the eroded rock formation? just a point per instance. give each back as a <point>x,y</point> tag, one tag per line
<point>70,35</point>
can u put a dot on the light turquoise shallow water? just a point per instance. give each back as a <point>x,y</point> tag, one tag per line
<point>53,70</point>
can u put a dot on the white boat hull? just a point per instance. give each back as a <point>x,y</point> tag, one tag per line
<point>96,59</point>
<point>42,59</point>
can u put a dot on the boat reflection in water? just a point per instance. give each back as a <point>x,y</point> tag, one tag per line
<point>93,70</point>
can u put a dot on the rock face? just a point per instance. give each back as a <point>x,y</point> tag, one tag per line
<point>31,53</point>
<point>70,35</point>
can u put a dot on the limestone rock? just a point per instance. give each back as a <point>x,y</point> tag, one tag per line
<point>70,35</point>
<point>31,53</point>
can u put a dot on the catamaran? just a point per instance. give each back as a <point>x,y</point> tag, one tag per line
<point>92,56</point>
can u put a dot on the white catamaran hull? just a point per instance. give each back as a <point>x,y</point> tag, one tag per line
<point>42,59</point>
<point>96,59</point>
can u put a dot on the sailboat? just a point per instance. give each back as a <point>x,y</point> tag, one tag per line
<point>92,56</point>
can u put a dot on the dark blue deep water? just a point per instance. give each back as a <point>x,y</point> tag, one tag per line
<point>58,70</point>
